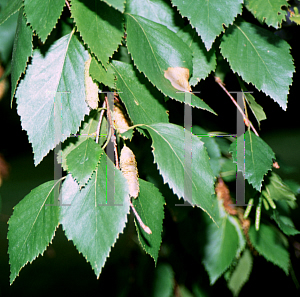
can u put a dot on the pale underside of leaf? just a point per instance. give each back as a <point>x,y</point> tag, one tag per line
<point>51,98</point>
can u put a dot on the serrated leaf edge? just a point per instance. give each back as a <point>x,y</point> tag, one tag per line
<point>29,24</point>
<point>222,31</point>
<point>24,71</point>
<point>143,73</point>
<point>139,233</point>
<point>37,256</point>
<point>270,169</point>
<point>212,281</point>
<point>64,135</point>
<point>86,44</point>
<point>110,249</point>
<point>273,261</point>
<point>170,186</point>
<point>249,82</point>
<point>50,242</point>
<point>81,185</point>
<point>111,5</point>
<point>279,24</point>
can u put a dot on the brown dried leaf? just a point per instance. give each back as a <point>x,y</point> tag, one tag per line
<point>129,170</point>
<point>179,78</point>
<point>119,118</point>
<point>223,194</point>
<point>3,83</point>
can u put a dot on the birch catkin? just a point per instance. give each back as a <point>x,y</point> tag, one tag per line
<point>129,170</point>
<point>120,121</point>
<point>91,88</point>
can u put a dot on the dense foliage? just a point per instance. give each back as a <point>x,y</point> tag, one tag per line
<point>71,60</point>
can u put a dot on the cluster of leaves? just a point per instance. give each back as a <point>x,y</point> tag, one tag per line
<point>52,43</point>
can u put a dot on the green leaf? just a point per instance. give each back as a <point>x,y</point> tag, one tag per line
<point>163,281</point>
<point>61,69</point>
<point>241,273</point>
<point>254,106</point>
<point>158,11</point>
<point>277,189</point>
<point>242,242</point>
<point>32,226</point>
<point>140,98</point>
<point>284,223</point>
<point>88,129</point>
<point>208,17</point>
<point>7,72</point>
<point>270,12</point>
<point>100,26</point>
<point>83,160</point>
<point>150,207</point>
<point>98,73</point>
<point>22,50</point>
<point>43,16</point>
<point>163,49</point>
<point>293,185</point>
<point>169,155</point>
<point>228,170</point>
<point>269,244</point>
<point>222,245</point>
<point>184,292</point>
<point>199,291</point>
<point>94,228</point>
<point>258,158</point>
<point>261,58</point>
<point>204,62</point>
<point>11,7</point>
<point>117,4</point>
<point>7,34</point>
<point>212,147</point>
<point>156,40</point>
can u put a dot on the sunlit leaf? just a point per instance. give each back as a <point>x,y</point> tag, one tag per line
<point>57,77</point>
<point>89,221</point>
<point>257,158</point>
<point>100,26</point>
<point>42,17</point>
<point>261,58</point>
<point>169,155</point>
<point>209,17</point>
<point>32,226</point>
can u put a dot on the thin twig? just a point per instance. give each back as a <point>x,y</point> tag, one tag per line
<point>113,137</point>
<point>107,140</point>
<point>246,120</point>
<point>100,121</point>
<point>68,5</point>
<point>144,227</point>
